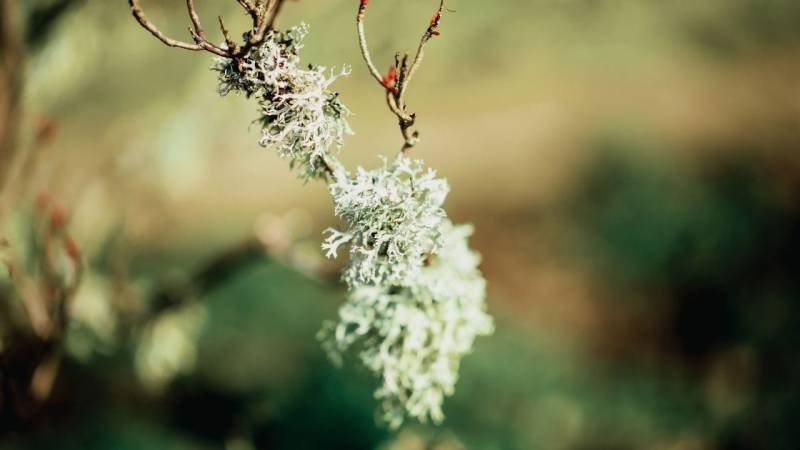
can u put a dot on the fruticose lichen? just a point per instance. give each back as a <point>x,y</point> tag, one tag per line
<point>300,117</point>
<point>413,336</point>
<point>393,217</point>
<point>415,297</point>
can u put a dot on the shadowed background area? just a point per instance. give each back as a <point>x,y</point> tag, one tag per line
<point>631,167</point>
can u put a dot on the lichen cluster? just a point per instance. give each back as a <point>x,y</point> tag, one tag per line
<point>416,299</point>
<point>300,117</point>
<point>393,216</point>
<point>413,336</point>
<point>415,295</point>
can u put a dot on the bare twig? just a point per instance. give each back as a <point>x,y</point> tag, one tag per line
<point>263,14</point>
<point>140,17</point>
<point>229,42</point>
<point>275,13</point>
<point>431,31</point>
<point>251,9</point>
<point>400,74</point>
<point>331,168</point>
<point>247,5</point>
<point>198,28</point>
<point>260,28</point>
<point>362,41</point>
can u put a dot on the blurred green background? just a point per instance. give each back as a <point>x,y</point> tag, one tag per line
<point>631,167</point>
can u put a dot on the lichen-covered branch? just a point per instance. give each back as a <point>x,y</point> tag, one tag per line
<point>415,295</point>
<point>300,117</point>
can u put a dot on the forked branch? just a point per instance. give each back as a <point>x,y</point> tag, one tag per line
<point>400,74</point>
<point>262,12</point>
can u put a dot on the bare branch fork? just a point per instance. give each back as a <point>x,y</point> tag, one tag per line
<point>400,74</point>
<point>262,12</point>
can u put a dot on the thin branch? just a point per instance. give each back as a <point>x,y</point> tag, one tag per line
<point>229,42</point>
<point>251,10</point>
<point>195,18</point>
<point>429,33</point>
<point>247,5</point>
<point>199,35</point>
<point>275,13</point>
<point>259,31</point>
<point>140,16</point>
<point>362,41</point>
<point>396,81</point>
<point>263,12</point>
<point>266,9</point>
<point>207,46</point>
<point>391,100</point>
<point>329,169</point>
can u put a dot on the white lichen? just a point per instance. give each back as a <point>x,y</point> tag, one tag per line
<point>300,117</point>
<point>413,336</point>
<point>393,217</point>
<point>416,299</point>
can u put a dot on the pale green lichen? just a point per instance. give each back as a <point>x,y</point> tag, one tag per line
<point>416,299</point>
<point>413,336</point>
<point>392,217</point>
<point>300,117</point>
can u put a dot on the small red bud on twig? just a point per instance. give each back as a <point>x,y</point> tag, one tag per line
<point>437,16</point>
<point>390,79</point>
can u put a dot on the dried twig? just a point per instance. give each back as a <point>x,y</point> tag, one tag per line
<point>400,74</point>
<point>431,31</point>
<point>263,14</point>
<point>140,16</point>
<point>275,13</point>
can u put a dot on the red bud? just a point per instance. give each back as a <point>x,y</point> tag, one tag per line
<point>390,78</point>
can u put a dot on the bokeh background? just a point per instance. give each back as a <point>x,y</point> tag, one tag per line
<point>631,167</point>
